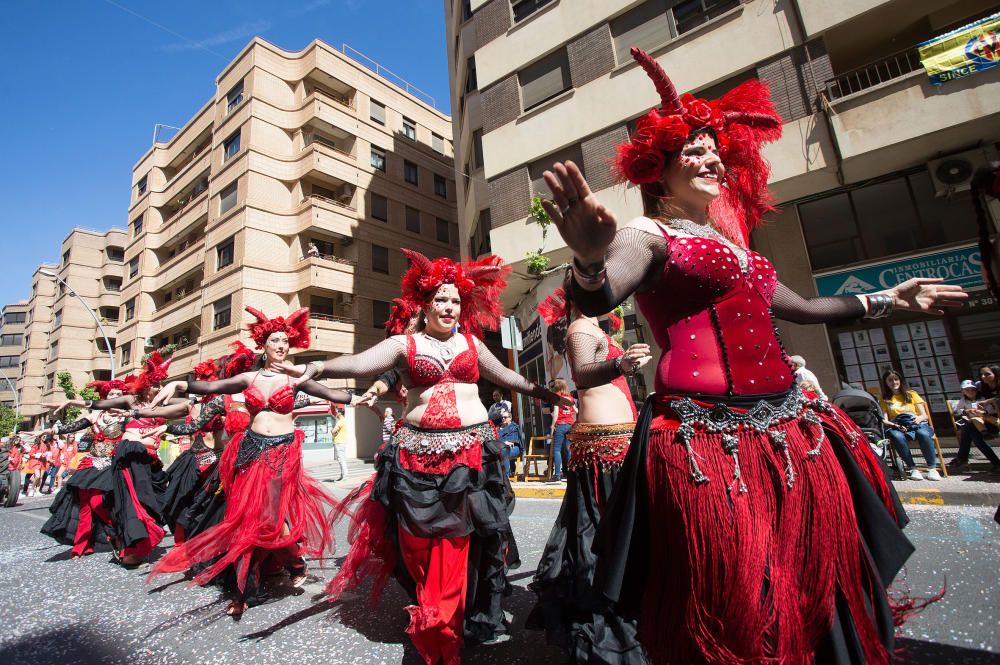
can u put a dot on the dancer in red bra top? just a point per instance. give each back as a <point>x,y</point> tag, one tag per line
<point>275,513</point>
<point>440,498</point>
<point>749,522</point>
<point>571,612</point>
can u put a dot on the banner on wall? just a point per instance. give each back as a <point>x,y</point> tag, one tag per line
<point>959,266</point>
<point>962,52</point>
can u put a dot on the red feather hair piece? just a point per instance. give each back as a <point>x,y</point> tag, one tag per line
<point>743,120</point>
<point>240,361</point>
<point>553,307</point>
<point>154,371</point>
<point>104,387</point>
<point>206,370</point>
<point>480,284</point>
<point>296,326</point>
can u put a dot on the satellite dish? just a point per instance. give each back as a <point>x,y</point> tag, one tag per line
<point>953,171</point>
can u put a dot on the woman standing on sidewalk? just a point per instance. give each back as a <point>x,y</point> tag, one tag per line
<point>574,615</point>
<point>748,518</point>
<point>563,418</point>
<point>439,500</point>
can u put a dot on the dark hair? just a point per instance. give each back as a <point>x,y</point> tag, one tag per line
<point>984,389</point>
<point>558,329</point>
<point>905,389</point>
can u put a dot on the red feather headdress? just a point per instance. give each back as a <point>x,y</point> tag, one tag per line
<point>296,326</point>
<point>479,282</point>
<point>553,307</point>
<point>154,370</point>
<point>206,370</point>
<point>742,120</point>
<point>240,361</point>
<point>104,387</point>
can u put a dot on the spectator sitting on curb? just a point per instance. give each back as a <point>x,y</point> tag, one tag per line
<point>512,439</point>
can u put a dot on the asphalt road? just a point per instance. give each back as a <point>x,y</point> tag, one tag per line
<point>56,610</point>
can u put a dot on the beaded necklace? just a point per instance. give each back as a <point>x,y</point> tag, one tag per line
<point>709,232</point>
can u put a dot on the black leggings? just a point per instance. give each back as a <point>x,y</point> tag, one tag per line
<point>27,482</point>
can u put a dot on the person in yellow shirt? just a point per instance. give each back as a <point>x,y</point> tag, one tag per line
<point>906,419</point>
<point>340,440</point>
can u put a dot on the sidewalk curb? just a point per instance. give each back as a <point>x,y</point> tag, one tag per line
<point>935,497</point>
<point>539,492</point>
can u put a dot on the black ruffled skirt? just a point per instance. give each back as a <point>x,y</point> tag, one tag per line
<point>133,465</point>
<point>65,509</point>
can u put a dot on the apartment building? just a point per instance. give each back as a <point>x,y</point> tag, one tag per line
<point>35,346</point>
<point>295,185</point>
<point>871,174</point>
<point>13,318</point>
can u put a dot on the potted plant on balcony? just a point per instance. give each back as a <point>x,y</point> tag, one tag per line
<point>536,261</point>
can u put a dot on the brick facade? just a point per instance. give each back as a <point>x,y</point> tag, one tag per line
<point>492,20</point>
<point>501,103</point>
<point>510,197</point>
<point>591,55</point>
<point>598,153</point>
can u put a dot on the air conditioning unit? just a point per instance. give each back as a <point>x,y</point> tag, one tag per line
<point>954,173</point>
<point>149,341</point>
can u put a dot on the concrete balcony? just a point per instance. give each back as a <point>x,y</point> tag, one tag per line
<point>109,299</point>
<point>187,176</point>
<point>179,312</point>
<point>819,16</point>
<point>179,266</point>
<point>803,160</point>
<point>332,334</point>
<point>308,273</point>
<point>184,360</point>
<point>175,223</point>
<point>905,121</point>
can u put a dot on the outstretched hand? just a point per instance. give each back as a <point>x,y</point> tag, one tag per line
<point>166,394</point>
<point>927,295</point>
<point>55,407</point>
<point>585,224</point>
<point>299,373</point>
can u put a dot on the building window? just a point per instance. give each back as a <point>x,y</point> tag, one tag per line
<point>129,309</point>
<point>380,259</point>
<point>11,340</point>
<point>320,305</point>
<point>133,267</point>
<point>234,97</point>
<point>647,26</point>
<point>9,361</point>
<point>409,129</point>
<point>522,9</point>
<point>113,284</point>
<point>126,353</point>
<point>477,149</point>
<point>325,248</point>
<point>692,13</point>
<point>882,219</point>
<point>378,158</point>
<point>230,147</point>
<point>539,166</point>
<point>377,112</point>
<point>140,187</point>
<point>57,318</point>
<point>380,313</point>
<point>50,381</point>
<point>137,227</point>
<point>437,143</point>
<point>442,230</point>
<point>470,75</point>
<point>412,220</point>
<point>224,253</point>
<point>380,207</point>
<point>466,10</point>
<point>440,186</point>
<point>222,312</point>
<point>14,317</point>
<point>543,80</point>
<point>227,198</point>
<point>409,172</point>
<point>65,258</point>
<point>116,254</point>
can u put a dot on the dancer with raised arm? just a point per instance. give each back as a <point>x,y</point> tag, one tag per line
<point>439,500</point>
<point>275,513</point>
<point>574,615</point>
<point>79,517</point>
<point>749,523</point>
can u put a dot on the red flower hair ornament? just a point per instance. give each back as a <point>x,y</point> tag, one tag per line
<point>742,121</point>
<point>154,371</point>
<point>206,370</point>
<point>296,326</point>
<point>105,387</point>
<point>479,282</point>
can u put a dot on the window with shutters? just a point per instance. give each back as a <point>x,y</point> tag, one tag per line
<point>470,75</point>
<point>234,97</point>
<point>657,22</point>
<point>543,80</point>
<point>477,149</point>
<point>137,227</point>
<point>129,309</point>
<point>689,14</point>
<point>409,129</point>
<point>440,186</point>
<point>380,313</point>
<point>380,207</point>
<point>437,143</point>
<point>225,253</point>
<point>231,147</point>
<point>442,230</point>
<point>141,186</point>
<point>380,259</point>
<point>133,267</point>
<point>538,167</point>
<point>377,112</point>
<point>522,9</point>
<point>222,311</point>
<point>479,243</point>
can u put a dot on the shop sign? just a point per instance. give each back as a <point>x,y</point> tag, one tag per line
<point>532,343</point>
<point>959,266</point>
<point>962,52</point>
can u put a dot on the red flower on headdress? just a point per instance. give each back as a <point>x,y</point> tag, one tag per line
<point>402,316</point>
<point>479,282</point>
<point>105,387</point>
<point>154,371</point>
<point>615,322</point>
<point>296,326</point>
<point>206,370</point>
<point>639,164</point>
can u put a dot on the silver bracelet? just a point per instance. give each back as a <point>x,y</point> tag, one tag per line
<point>880,305</point>
<point>88,403</point>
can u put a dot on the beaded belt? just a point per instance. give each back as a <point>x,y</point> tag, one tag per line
<point>763,416</point>
<point>419,441</point>
<point>206,458</point>
<point>601,446</point>
<point>253,445</point>
<point>100,462</point>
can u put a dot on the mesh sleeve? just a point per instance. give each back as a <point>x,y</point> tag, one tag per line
<point>210,409</point>
<point>75,426</point>
<point>116,403</point>
<point>228,386</point>
<point>586,357</point>
<point>790,306</point>
<point>494,371</point>
<point>632,257</point>
<point>380,358</point>
<point>389,379</point>
<point>322,392</point>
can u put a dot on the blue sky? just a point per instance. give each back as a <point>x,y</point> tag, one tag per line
<point>83,82</point>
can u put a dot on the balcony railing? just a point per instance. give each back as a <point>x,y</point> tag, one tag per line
<point>873,74</point>
<point>330,257</point>
<point>333,318</point>
<point>330,144</point>
<point>327,199</point>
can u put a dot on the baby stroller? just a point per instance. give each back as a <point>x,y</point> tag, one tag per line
<point>863,408</point>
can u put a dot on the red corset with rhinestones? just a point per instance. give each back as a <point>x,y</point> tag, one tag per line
<point>713,322</point>
<point>427,370</point>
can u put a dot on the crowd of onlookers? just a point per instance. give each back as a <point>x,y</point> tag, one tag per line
<point>45,462</point>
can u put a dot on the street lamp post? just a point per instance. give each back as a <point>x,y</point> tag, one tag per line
<point>107,342</point>
<point>17,402</point>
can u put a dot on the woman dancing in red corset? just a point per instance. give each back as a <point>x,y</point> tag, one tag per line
<point>440,498</point>
<point>749,523</point>
<point>275,513</point>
